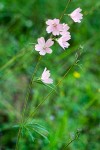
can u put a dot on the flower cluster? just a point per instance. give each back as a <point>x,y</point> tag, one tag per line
<point>56,28</point>
<point>61,34</point>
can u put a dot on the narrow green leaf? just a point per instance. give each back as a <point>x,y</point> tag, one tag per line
<point>51,87</point>
<point>30,134</point>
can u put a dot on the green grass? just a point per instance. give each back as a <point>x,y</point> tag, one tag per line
<point>75,105</point>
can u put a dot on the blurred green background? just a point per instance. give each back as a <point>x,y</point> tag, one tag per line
<point>76,104</point>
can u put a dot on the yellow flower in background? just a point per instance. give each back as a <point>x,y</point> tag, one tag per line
<point>76,74</point>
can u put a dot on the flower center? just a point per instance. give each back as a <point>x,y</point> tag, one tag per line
<point>54,25</point>
<point>44,48</point>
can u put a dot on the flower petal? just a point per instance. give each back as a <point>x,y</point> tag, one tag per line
<point>42,52</point>
<point>41,41</point>
<point>76,15</point>
<point>46,77</point>
<point>48,50</point>
<point>49,22</point>
<point>37,47</point>
<point>48,81</point>
<point>49,43</point>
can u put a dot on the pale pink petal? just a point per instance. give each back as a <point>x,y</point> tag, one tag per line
<point>49,29</point>
<point>54,26</point>
<point>63,42</point>
<point>64,29</point>
<point>48,50</point>
<point>38,47</point>
<point>44,47</point>
<point>76,15</point>
<point>48,81</point>
<point>47,74</point>
<point>66,45</point>
<point>49,43</point>
<point>49,22</point>
<point>46,77</point>
<point>41,41</point>
<point>42,52</point>
<point>66,34</point>
<point>55,32</point>
<point>56,21</point>
<point>78,10</point>
<point>44,74</point>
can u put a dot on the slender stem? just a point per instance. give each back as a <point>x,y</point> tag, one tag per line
<point>30,86</point>
<point>76,137</point>
<point>18,137</point>
<point>65,9</point>
<point>26,101</point>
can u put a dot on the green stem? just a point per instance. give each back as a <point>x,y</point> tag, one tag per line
<point>18,137</point>
<point>76,137</point>
<point>30,86</point>
<point>26,101</point>
<point>65,9</point>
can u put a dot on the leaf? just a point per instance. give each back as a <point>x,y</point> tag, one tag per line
<point>16,126</point>
<point>41,134</point>
<point>8,127</point>
<point>39,129</point>
<point>40,82</point>
<point>30,134</point>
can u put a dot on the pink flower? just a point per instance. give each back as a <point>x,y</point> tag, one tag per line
<point>63,41</point>
<point>46,77</point>
<point>44,47</point>
<point>54,26</point>
<point>64,29</point>
<point>76,15</point>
